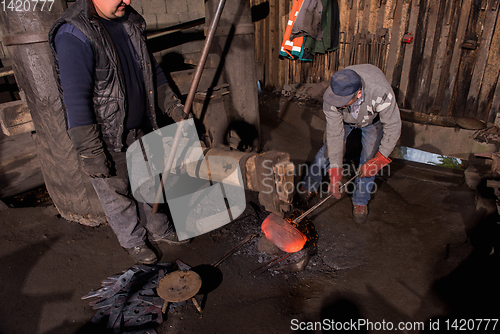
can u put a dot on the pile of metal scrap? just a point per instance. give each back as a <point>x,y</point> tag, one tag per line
<point>489,134</point>
<point>130,300</point>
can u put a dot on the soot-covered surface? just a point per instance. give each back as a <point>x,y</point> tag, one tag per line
<point>424,253</point>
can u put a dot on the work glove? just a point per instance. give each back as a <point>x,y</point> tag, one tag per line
<point>335,177</point>
<point>89,146</point>
<point>178,113</point>
<point>96,166</point>
<point>372,166</point>
<point>170,104</point>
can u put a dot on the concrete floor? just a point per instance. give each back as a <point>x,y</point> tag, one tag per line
<point>425,253</point>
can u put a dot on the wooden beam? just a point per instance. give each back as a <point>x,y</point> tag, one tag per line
<point>492,66</point>
<point>440,57</point>
<point>396,35</point>
<point>274,43</point>
<point>353,22</point>
<point>282,22</point>
<point>480,66</point>
<point>469,45</point>
<point>408,52</point>
<point>364,7</point>
<point>457,52</point>
<point>453,21</point>
<point>426,65</point>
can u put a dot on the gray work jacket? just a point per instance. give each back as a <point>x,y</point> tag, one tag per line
<point>378,100</point>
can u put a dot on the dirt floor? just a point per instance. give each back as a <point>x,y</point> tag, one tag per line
<point>426,255</point>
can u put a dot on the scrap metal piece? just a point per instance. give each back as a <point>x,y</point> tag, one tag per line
<point>147,292</point>
<point>153,300</point>
<point>138,321</point>
<point>111,290</point>
<point>137,310</point>
<point>115,314</point>
<point>182,265</point>
<point>130,299</point>
<point>105,303</point>
<point>100,315</point>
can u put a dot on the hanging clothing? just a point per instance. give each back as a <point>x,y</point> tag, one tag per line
<point>292,48</point>
<point>308,21</point>
<point>330,27</point>
<point>313,27</point>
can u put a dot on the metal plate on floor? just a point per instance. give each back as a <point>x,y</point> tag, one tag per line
<point>179,286</point>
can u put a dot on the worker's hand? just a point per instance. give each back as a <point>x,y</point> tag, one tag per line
<point>372,166</point>
<point>89,146</point>
<point>96,166</point>
<point>178,113</point>
<point>335,178</point>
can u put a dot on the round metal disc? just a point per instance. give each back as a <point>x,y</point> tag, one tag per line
<point>179,286</point>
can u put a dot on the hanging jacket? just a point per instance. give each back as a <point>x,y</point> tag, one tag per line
<point>292,47</point>
<point>308,21</point>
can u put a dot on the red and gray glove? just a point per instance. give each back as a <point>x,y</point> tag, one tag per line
<point>335,178</point>
<point>372,166</point>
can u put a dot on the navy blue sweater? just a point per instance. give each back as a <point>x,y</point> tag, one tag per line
<point>76,64</point>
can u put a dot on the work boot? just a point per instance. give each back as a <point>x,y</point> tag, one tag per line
<point>142,254</point>
<point>170,237</point>
<point>360,212</point>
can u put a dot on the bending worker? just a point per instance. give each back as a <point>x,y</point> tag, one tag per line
<point>108,80</point>
<point>359,96</point>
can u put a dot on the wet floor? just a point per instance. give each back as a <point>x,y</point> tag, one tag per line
<point>426,255</point>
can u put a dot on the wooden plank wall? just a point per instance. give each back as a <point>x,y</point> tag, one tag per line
<point>451,68</point>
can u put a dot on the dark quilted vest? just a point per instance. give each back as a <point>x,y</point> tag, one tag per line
<point>109,84</point>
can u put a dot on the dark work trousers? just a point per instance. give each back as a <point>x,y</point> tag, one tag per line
<point>130,220</point>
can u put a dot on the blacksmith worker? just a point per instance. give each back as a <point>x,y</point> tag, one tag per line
<point>108,80</point>
<point>359,96</point>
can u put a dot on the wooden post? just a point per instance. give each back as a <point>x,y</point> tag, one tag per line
<point>234,42</point>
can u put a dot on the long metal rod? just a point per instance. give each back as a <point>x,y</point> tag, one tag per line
<point>299,218</point>
<point>189,101</point>
<point>266,263</point>
<point>228,254</point>
<point>270,264</point>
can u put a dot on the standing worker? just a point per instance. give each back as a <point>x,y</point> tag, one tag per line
<point>107,79</point>
<point>359,96</point>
